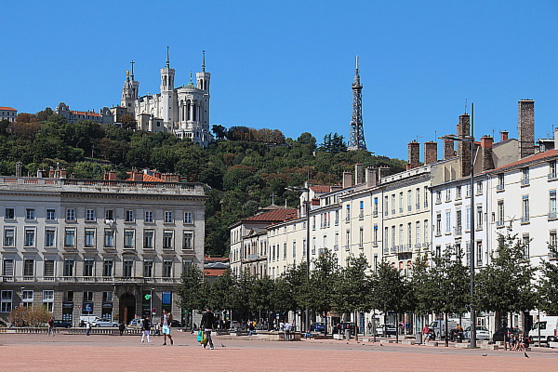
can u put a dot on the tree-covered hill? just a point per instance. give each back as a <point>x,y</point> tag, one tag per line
<point>243,175</point>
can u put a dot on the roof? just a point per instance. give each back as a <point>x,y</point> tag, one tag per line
<point>146,178</point>
<point>7,109</point>
<point>529,159</point>
<point>320,188</point>
<point>86,113</point>
<point>276,215</point>
<point>214,272</point>
<point>208,258</point>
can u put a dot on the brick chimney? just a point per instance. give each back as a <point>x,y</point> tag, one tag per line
<point>371,176</point>
<point>414,155</point>
<point>137,176</point>
<point>170,177</point>
<point>110,176</point>
<point>347,179</point>
<point>430,152</point>
<point>358,173</point>
<point>464,148</point>
<point>526,127</point>
<point>486,148</point>
<point>504,135</point>
<point>449,151</point>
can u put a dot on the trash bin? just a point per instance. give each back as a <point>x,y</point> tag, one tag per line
<point>418,339</point>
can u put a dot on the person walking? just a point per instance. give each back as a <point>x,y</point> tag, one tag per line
<point>167,322</point>
<point>121,328</point>
<point>51,327</point>
<point>287,328</point>
<point>207,324</point>
<point>146,328</point>
<point>87,328</point>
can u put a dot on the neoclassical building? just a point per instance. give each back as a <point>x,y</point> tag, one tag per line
<point>182,110</point>
<point>98,246</point>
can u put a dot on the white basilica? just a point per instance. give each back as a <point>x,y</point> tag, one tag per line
<point>183,111</point>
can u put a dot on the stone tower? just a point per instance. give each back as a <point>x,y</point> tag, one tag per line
<point>167,111</point>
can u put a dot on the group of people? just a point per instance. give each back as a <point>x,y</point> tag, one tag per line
<point>146,325</point>
<point>518,342</point>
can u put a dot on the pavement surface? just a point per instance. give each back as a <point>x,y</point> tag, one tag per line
<point>39,352</point>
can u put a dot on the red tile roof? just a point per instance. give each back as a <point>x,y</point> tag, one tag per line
<point>213,272</point>
<point>146,178</point>
<point>277,215</point>
<point>7,109</point>
<point>320,188</point>
<point>529,159</point>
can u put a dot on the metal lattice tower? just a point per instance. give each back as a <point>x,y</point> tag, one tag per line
<point>357,140</point>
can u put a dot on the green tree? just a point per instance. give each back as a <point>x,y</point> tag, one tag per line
<point>547,287</point>
<point>323,278</point>
<point>190,289</point>
<point>506,284</point>
<point>219,131</point>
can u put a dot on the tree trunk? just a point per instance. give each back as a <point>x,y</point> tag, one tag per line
<point>446,329</point>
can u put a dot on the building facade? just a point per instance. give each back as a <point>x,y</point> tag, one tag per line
<point>97,246</point>
<point>8,113</point>
<point>104,116</point>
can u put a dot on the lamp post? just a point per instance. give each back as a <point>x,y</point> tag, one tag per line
<point>471,139</point>
<point>307,211</point>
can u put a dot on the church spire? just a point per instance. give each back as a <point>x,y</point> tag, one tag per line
<point>168,57</point>
<point>203,60</point>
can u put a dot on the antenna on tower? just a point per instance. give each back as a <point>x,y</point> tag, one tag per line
<point>357,140</point>
<point>132,74</point>
<point>168,57</point>
<point>466,105</point>
<point>203,60</point>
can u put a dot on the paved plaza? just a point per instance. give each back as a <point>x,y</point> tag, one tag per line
<point>39,352</point>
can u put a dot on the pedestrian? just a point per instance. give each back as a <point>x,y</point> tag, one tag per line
<point>146,328</point>
<point>158,329</point>
<point>167,322</point>
<point>87,328</point>
<point>207,324</point>
<point>51,327</point>
<point>426,332</point>
<point>121,328</point>
<point>287,328</point>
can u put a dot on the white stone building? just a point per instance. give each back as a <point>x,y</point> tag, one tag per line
<point>8,113</point>
<point>97,246</point>
<point>182,110</point>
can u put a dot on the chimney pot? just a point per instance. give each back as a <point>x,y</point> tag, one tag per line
<point>430,152</point>
<point>504,135</point>
<point>347,180</point>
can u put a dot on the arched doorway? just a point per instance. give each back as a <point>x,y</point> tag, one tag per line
<point>127,307</point>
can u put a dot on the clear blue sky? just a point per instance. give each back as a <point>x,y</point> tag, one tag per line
<point>289,65</point>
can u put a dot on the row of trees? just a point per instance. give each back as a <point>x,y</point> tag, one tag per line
<point>436,285</point>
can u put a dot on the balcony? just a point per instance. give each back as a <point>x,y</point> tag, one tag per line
<point>404,248</point>
<point>525,182</point>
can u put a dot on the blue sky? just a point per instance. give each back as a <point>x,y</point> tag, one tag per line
<point>289,65</point>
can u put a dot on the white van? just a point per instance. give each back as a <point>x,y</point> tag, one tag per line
<point>90,318</point>
<point>547,327</point>
<point>439,328</point>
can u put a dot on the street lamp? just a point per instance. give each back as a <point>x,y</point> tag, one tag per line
<point>307,211</point>
<point>471,139</point>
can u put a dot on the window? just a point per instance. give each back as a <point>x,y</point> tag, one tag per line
<point>552,169</point>
<point>458,222</point>
<point>401,240</point>
<point>458,192</point>
<point>9,214</point>
<point>167,269</point>
<point>417,197</point>
<point>107,296</point>
<point>68,267</point>
<point>468,222</point>
<point>479,253</point>
<point>88,265</point>
<point>438,224</point>
<point>27,296</point>
<point>409,200</point>
<point>552,204</point>
<point>128,238</point>
<point>9,236</point>
<point>336,217</point>
<point>417,234</point>
<point>148,238</point>
<point>130,216</point>
<point>524,176</point>
<point>500,220</point>
<point>552,242</point>
<point>426,237</point>
<point>70,238</point>
<point>50,214</point>
<point>348,239</point>
<point>401,202</point>
<point>386,237</point>
<point>148,217</point>
<point>526,242</point>
<point>500,185</point>
<point>169,217</point>
<point>375,235</point>
<point>49,268</point>
<point>479,187</point>
<point>425,196</point>
<point>188,217</point>
<point>348,214</point>
<point>70,214</point>
<point>29,237</point>
<point>448,222</point>
<point>6,301</point>
<point>109,238</point>
<point>148,268</point>
<point>361,213</point>
<point>167,239</point>
<point>438,196</point>
<point>294,249</point>
<point>109,215</point>
<point>90,215</point>
<point>87,296</point>
<point>8,269</point>
<point>28,267</point>
<point>480,217</point>
<point>50,237</point>
<point>29,214</point>
<point>448,195</point>
<point>361,237</point>
<point>128,268</point>
<point>188,242</point>
<point>409,235</point>
<point>525,208</point>
<point>107,267</point>
<point>386,205</point>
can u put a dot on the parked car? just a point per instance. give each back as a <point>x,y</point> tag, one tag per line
<point>3,323</point>
<point>103,323</point>
<point>547,328</point>
<point>62,324</point>
<point>482,333</point>
<point>439,328</point>
<point>135,323</point>
<point>318,327</point>
<point>347,325</point>
<point>505,332</point>
<point>388,329</point>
